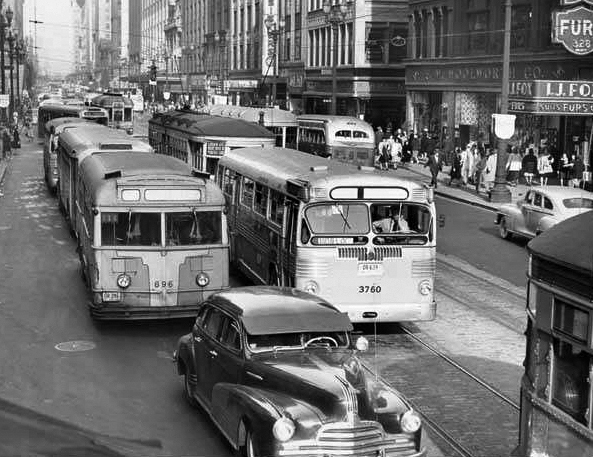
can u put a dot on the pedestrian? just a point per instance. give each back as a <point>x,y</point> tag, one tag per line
<point>513,166</point>
<point>424,145</point>
<point>578,167</point>
<point>565,168</point>
<point>544,166</point>
<point>467,159</point>
<point>456,167</point>
<point>529,166</point>
<point>378,137</point>
<point>415,142</point>
<point>16,139</point>
<point>434,164</point>
<point>480,166</point>
<point>489,173</point>
<point>395,148</point>
<point>6,142</point>
<point>384,154</point>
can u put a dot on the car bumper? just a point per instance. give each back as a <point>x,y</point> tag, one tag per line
<point>123,312</point>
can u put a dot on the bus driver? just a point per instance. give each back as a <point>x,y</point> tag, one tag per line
<point>394,222</point>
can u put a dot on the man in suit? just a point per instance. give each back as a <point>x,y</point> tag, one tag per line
<point>434,164</point>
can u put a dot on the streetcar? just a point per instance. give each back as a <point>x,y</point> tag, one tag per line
<point>53,129</point>
<point>74,145</point>
<point>557,386</point>
<point>283,124</point>
<point>299,220</point>
<point>201,139</point>
<point>120,110</point>
<point>344,138</point>
<point>152,236</point>
<point>51,111</point>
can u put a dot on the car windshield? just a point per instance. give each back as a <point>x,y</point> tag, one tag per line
<point>338,218</point>
<point>578,203</point>
<point>298,340</point>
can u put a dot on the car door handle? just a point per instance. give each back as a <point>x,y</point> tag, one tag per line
<point>213,353</point>
<point>198,339</point>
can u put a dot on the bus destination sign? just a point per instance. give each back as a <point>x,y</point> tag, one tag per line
<point>573,28</point>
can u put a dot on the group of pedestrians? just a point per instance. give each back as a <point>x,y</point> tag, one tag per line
<point>473,165</point>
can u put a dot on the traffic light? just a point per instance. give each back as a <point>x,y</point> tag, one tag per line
<point>153,72</point>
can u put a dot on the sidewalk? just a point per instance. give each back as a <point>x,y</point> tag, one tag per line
<point>4,163</point>
<point>466,194</point>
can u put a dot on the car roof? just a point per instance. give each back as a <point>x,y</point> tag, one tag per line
<point>269,310</point>
<point>560,192</point>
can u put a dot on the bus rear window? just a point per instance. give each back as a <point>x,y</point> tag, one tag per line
<point>130,229</point>
<point>338,218</point>
<point>343,134</point>
<point>195,228</point>
<point>360,134</point>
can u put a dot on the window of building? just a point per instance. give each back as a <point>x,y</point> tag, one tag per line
<point>297,47</point>
<point>520,26</point>
<point>374,43</point>
<point>311,51</point>
<point>477,19</point>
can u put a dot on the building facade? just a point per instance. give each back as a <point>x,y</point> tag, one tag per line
<point>454,74</point>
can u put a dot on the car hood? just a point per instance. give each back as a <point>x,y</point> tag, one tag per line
<point>334,381</point>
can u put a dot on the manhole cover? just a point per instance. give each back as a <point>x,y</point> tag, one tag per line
<point>75,346</point>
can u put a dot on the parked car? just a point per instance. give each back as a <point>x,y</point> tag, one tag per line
<point>277,371</point>
<point>542,208</point>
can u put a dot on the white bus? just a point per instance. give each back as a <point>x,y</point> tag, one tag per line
<point>299,220</point>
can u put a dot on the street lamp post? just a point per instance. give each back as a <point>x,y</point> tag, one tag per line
<point>20,57</point>
<point>11,39</point>
<point>334,16</point>
<point>5,22</point>
<point>220,40</point>
<point>500,193</point>
<point>274,30</point>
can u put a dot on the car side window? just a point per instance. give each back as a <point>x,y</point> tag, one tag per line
<point>548,203</point>
<point>213,323</point>
<point>528,197</point>
<point>537,199</point>
<point>231,337</point>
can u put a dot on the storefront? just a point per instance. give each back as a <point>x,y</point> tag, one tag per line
<point>243,92</point>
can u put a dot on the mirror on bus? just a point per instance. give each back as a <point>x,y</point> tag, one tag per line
<point>441,219</point>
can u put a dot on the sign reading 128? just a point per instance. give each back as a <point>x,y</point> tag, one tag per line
<point>573,28</point>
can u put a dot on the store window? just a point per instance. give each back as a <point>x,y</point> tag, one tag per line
<point>477,19</point>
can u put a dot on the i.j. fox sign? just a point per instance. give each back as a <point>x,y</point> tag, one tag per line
<point>574,28</point>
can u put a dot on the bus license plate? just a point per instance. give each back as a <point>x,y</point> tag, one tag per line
<point>370,269</point>
<point>111,296</point>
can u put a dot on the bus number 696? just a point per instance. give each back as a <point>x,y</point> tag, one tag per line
<point>369,289</point>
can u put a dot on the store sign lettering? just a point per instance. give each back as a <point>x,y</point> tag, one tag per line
<point>567,89</point>
<point>574,29</point>
<point>557,108</point>
<point>574,2</point>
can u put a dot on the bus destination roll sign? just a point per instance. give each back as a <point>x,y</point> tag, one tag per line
<point>573,28</point>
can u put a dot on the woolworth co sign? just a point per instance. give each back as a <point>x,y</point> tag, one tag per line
<point>574,29</point>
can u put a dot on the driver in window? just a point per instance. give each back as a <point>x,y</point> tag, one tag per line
<point>394,222</point>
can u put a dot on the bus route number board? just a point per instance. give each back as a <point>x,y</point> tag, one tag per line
<point>370,269</point>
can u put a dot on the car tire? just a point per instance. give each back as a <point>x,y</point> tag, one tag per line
<point>187,391</point>
<point>503,230</point>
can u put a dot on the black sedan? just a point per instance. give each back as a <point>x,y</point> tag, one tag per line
<point>277,371</point>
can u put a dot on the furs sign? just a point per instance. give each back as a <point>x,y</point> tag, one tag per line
<point>574,29</point>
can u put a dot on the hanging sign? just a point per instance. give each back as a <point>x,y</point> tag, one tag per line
<point>504,125</point>
<point>573,28</point>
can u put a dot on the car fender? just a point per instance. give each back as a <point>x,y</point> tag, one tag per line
<point>546,223</point>
<point>184,355</point>
<point>258,409</point>
<point>510,212</point>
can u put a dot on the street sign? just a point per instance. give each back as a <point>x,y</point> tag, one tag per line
<point>504,125</point>
<point>4,100</point>
<point>573,28</point>
<point>166,95</point>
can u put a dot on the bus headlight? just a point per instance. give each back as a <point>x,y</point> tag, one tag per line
<point>124,281</point>
<point>424,287</point>
<point>410,422</point>
<point>283,429</point>
<point>311,287</point>
<point>202,279</point>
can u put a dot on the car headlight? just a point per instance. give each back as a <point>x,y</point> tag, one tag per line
<point>424,287</point>
<point>202,279</point>
<point>410,421</point>
<point>283,429</point>
<point>311,287</point>
<point>124,281</point>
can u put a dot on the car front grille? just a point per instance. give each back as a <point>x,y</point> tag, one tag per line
<point>360,439</point>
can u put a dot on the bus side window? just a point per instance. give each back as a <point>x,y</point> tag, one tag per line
<point>305,233</point>
<point>247,192</point>
<point>261,199</point>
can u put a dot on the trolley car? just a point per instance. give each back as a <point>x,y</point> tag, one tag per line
<point>76,144</point>
<point>556,388</point>
<point>120,110</point>
<point>152,236</point>
<point>51,111</point>
<point>53,129</point>
<point>202,139</point>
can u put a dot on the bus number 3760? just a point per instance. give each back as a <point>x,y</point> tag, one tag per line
<point>369,289</point>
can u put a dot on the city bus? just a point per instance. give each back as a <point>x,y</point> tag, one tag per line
<point>74,145</point>
<point>556,417</point>
<point>302,221</point>
<point>51,111</point>
<point>120,110</point>
<point>152,236</point>
<point>282,123</point>
<point>344,138</point>
<point>53,129</point>
<point>201,139</point>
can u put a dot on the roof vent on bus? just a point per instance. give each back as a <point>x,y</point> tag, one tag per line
<point>113,174</point>
<point>319,168</point>
<point>115,146</point>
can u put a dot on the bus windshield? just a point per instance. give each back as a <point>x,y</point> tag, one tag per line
<point>332,218</point>
<point>130,229</point>
<point>183,229</point>
<point>401,220</point>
